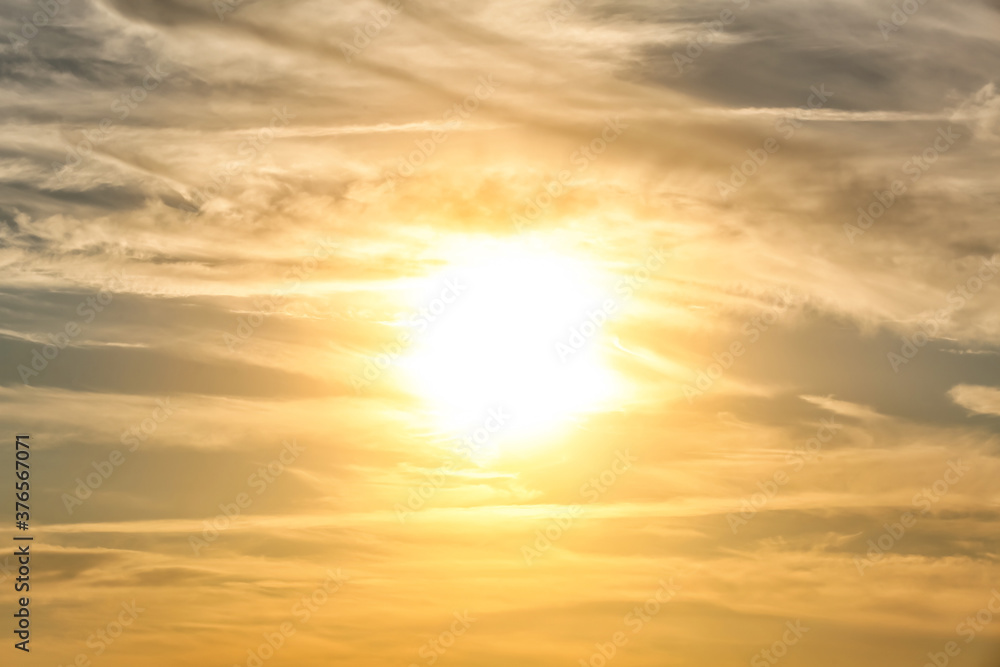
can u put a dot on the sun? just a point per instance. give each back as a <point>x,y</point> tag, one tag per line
<point>512,336</point>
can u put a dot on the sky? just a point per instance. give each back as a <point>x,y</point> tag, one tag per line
<point>424,332</point>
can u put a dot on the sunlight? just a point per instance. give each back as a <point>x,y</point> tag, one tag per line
<point>493,350</point>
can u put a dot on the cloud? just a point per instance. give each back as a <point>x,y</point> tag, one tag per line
<point>77,209</point>
<point>981,111</point>
<point>976,398</point>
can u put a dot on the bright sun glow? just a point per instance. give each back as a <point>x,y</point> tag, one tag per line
<point>494,347</point>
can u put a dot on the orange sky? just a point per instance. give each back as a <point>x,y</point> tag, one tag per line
<point>525,333</point>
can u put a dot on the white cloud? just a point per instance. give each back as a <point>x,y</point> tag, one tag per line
<point>978,399</point>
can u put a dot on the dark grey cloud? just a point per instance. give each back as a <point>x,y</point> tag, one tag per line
<point>826,357</point>
<point>772,53</point>
<point>155,372</point>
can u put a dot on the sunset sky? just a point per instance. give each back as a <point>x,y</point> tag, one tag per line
<point>629,334</point>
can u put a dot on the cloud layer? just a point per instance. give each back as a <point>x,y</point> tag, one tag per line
<point>232,209</point>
